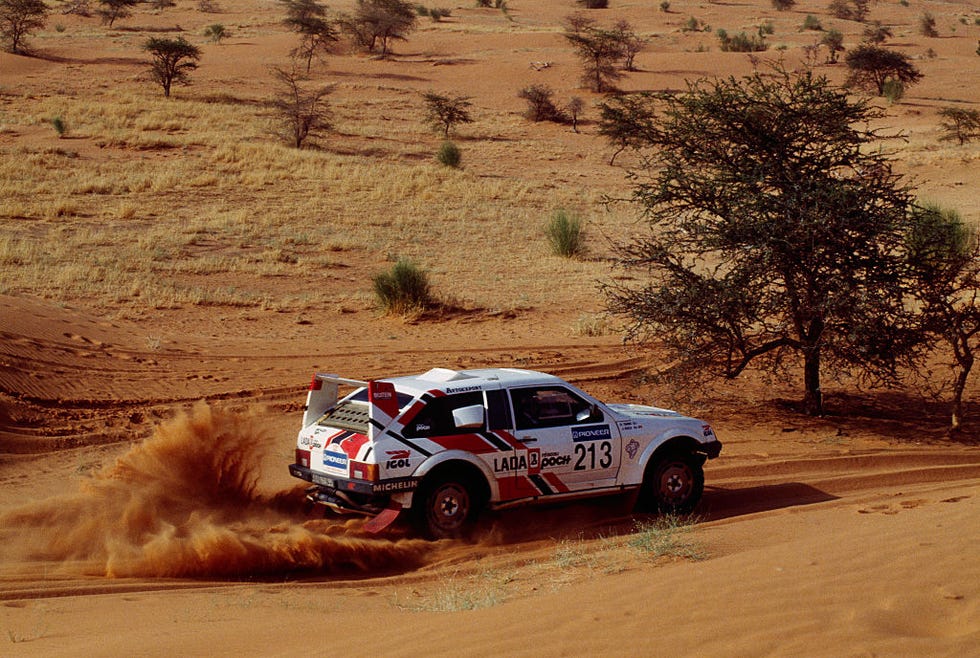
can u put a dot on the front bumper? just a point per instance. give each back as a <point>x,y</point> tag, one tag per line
<point>712,449</point>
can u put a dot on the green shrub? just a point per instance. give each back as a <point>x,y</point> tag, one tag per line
<point>811,22</point>
<point>665,6</point>
<point>893,90</point>
<point>404,290</point>
<point>421,10</point>
<point>741,42</point>
<point>438,13</point>
<point>59,126</point>
<point>564,232</point>
<point>766,28</point>
<point>927,25</point>
<point>783,5</point>
<point>449,155</point>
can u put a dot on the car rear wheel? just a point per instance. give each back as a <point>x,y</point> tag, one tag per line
<point>445,508</point>
<point>673,484</point>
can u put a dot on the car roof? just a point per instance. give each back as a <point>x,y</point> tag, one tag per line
<point>462,381</point>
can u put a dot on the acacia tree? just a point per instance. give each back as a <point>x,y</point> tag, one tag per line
<point>18,18</point>
<point>944,259</point>
<point>308,19</point>
<point>599,50</point>
<point>113,9</point>
<point>302,111</point>
<point>444,112</point>
<point>379,22</point>
<point>632,43</point>
<point>960,124</point>
<point>775,233</point>
<point>872,66</point>
<point>172,60</point>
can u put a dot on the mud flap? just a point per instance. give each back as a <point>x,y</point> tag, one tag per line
<point>384,519</point>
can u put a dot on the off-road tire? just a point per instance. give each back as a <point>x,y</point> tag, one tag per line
<point>673,484</point>
<point>444,508</point>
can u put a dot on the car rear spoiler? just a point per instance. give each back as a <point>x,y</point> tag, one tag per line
<point>323,394</point>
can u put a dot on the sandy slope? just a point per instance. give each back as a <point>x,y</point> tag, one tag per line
<point>811,540</point>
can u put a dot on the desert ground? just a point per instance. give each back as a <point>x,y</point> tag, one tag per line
<point>173,274</point>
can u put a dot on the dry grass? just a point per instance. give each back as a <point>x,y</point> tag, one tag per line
<point>151,202</point>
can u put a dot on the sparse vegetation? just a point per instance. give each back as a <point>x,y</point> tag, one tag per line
<point>317,34</point>
<point>833,41</point>
<point>112,10</point>
<point>18,20</point>
<point>444,112</point>
<point>631,43</point>
<point>741,42</point>
<point>403,290</point>
<point>302,110</point>
<point>849,10</point>
<point>593,4</point>
<point>876,32</point>
<point>541,104</point>
<point>599,50</point>
<point>449,155</point>
<point>574,108</point>
<point>59,126</point>
<point>783,5</point>
<point>694,25</point>
<point>565,234</point>
<point>960,124</point>
<point>377,23</point>
<point>944,258</point>
<point>172,60</point>
<point>216,32</point>
<point>665,537</point>
<point>927,25</point>
<point>871,67</point>
<point>811,22</point>
<point>802,271</point>
<point>893,90</point>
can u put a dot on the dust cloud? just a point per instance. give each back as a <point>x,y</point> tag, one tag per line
<point>186,503</point>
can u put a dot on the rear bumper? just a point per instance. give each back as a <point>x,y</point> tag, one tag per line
<point>346,495</point>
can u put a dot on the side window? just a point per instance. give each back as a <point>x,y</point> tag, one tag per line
<point>436,417</point>
<point>551,406</point>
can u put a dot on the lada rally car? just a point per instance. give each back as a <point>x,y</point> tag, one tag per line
<point>445,444</point>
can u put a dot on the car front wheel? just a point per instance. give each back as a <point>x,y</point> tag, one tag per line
<point>673,484</point>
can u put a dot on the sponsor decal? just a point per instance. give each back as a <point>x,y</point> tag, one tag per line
<point>591,433</point>
<point>335,459</point>
<point>632,447</point>
<point>533,461</point>
<point>462,389</point>
<point>555,459</point>
<point>629,426</point>
<point>391,486</point>
<point>708,433</point>
<point>398,459</point>
<point>382,395</point>
<point>510,463</point>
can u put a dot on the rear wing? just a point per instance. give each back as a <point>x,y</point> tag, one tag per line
<point>323,394</point>
<point>325,391</point>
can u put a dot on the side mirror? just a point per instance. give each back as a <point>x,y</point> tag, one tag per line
<point>589,413</point>
<point>468,418</point>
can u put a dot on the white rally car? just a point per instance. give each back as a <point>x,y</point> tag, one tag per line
<point>445,444</point>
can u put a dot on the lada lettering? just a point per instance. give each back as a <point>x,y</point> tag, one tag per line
<point>511,463</point>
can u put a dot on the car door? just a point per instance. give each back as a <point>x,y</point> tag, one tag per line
<point>578,443</point>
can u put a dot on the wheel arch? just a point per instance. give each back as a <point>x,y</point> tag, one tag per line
<point>674,444</point>
<point>464,466</point>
